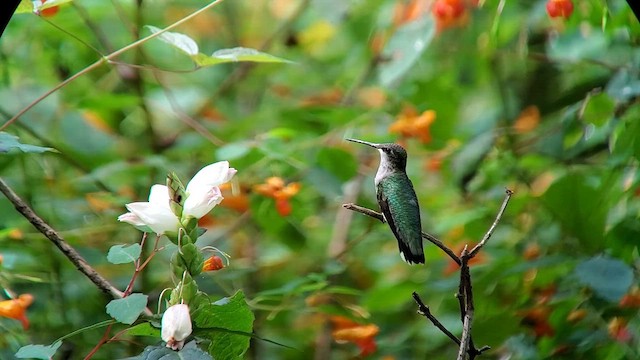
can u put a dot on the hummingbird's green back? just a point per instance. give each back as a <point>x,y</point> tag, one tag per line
<point>399,204</point>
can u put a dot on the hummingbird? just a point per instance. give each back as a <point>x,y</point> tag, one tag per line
<point>398,201</point>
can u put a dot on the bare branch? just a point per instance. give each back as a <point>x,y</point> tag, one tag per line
<point>487,236</point>
<point>73,256</point>
<point>424,311</point>
<point>378,216</point>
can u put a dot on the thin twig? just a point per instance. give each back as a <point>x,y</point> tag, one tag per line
<point>378,216</point>
<point>424,311</point>
<point>106,59</point>
<point>73,256</point>
<point>487,236</point>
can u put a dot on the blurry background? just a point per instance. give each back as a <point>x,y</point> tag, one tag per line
<point>484,96</point>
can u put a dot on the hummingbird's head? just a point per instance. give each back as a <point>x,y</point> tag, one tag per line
<point>392,154</point>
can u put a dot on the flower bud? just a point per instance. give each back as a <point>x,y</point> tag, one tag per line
<point>176,326</point>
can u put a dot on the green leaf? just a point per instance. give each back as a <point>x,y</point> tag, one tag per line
<point>466,162</point>
<point>579,201</point>
<point>10,142</point>
<point>230,314</point>
<point>127,310</point>
<point>38,351</point>
<point>609,278</point>
<point>340,163</point>
<point>188,46</point>
<point>122,254</point>
<point>233,150</point>
<point>599,109</point>
<point>26,6</point>
<point>143,329</point>
<point>158,352</point>
<point>237,54</point>
<point>405,48</point>
<point>180,41</point>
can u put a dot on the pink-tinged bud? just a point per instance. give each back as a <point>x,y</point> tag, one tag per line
<point>176,326</point>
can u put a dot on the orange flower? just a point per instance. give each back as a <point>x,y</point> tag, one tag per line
<point>576,315</point>
<point>450,13</point>
<point>274,187</point>
<point>618,330</point>
<point>560,8</point>
<point>234,200</point>
<point>213,263</point>
<point>632,299</point>
<point>411,124</point>
<point>363,335</point>
<point>528,120</point>
<point>16,309</point>
<point>407,12</point>
<point>531,252</point>
<point>538,318</point>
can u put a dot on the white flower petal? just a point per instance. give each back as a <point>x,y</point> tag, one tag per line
<point>131,218</point>
<point>158,218</point>
<point>201,200</point>
<point>176,325</point>
<point>211,175</point>
<point>159,195</point>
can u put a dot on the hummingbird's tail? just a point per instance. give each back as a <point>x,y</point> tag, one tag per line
<point>411,254</point>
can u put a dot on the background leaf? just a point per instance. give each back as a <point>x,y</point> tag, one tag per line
<point>127,310</point>
<point>180,41</point>
<point>122,254</point>
<point>609,278</point>
<point>38,351</point>
<point>9,142</point>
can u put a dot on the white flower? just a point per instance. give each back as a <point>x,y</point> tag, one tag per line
<point>176,326</point>
<point>202,192</point>
<point>155,214</point>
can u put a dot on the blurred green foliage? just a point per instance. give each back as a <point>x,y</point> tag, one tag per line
<point>545,107</point>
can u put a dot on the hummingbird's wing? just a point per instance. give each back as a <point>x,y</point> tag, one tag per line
<point>399,206</point>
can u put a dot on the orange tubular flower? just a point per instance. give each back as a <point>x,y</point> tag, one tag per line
<point>411,124</point>
<point>16,309</point>
<point>450,13</point>
<point>618,330</point>
<point>275,188</point>
<point>213,263</point>
<point>538,319</point>
<point>632,299</point>
<point>363,335</point>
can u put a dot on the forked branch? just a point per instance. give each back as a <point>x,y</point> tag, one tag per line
<point>465,289</point>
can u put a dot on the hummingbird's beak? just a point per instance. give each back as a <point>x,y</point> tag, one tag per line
<point>373,145</point>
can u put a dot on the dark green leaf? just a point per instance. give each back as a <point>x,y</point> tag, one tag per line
<point>127,310</point>
<point>143,329</point>
<point>580,202</point>
<point>338,162</point>
<point>232,314</point>
<point>158,352</point>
